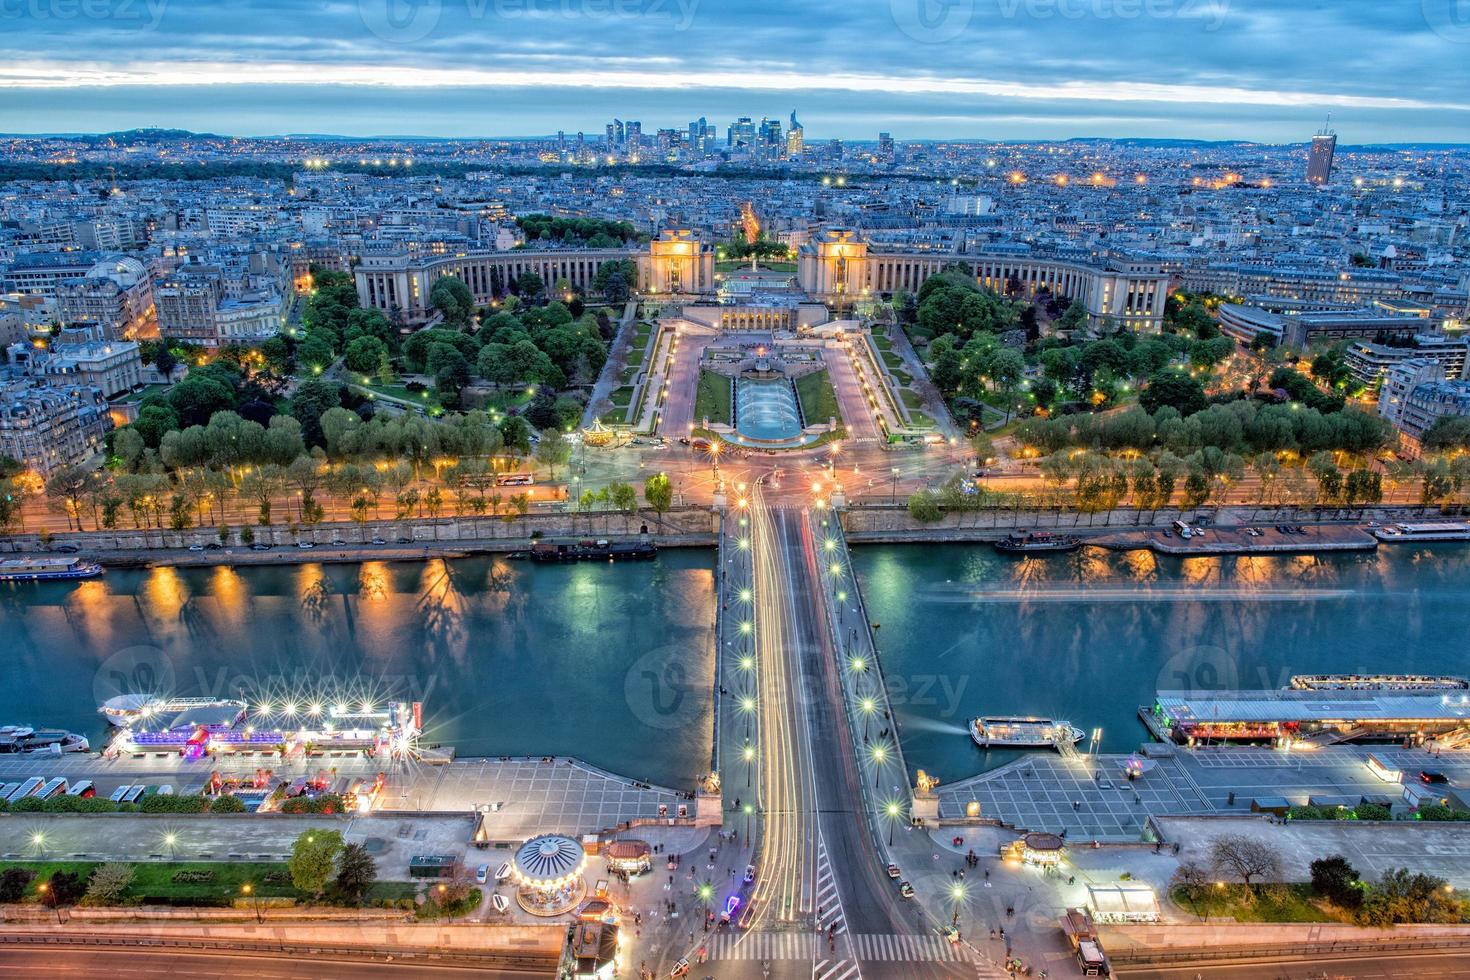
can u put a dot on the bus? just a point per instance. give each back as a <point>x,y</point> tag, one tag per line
<point>134,793</point>
<point>82,788</point>
<point>519,479</point>
<point>26,788</point>
<point>53,787</point>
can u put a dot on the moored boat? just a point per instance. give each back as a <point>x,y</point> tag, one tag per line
<point>47,569</point>
<point>588,550</point>
<point>1036,542</point>
<point>23,738</point>
<point>153,710</point>
<point>1023,732</point>
<point>1378,682</point>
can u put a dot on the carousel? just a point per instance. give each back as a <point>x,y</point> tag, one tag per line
<point>548,873</point>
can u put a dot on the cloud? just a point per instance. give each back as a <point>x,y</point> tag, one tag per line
<point>1143,59</point>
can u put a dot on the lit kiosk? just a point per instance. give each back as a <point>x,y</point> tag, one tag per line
<point>548,870</point>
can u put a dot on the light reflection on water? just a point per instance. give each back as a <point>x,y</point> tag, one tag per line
<point>509,657</point>
<point>1090,636</point>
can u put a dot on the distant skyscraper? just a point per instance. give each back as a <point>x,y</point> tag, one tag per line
<point>795,137</point>
<point>1319,157</point>
<point>633,134</point>
<point>741,134</point>
<point>771,143</point>
<point>885,146</point>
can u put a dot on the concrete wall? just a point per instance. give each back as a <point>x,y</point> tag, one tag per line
<point>486,533</point>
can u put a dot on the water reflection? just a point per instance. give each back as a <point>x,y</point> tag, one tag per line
<point>1092,635</point>
<point>509,657</point>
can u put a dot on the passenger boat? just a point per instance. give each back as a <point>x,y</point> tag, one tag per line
<point>23,738</point>
<point>1036,542</point>
<point>1426,531</point>
<point>588,550</point>
<point>1378,682</point>
<point>46,569</point>
<point>1023,733</point>
<point>150,709</point>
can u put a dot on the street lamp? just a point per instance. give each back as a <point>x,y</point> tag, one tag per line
<point>868,706</point>
<point>749,753</point>
<point>248,890</point>
<point>880,755</point>
<point>892,810</point>
<point>893,498</point>
<point>747,708</point>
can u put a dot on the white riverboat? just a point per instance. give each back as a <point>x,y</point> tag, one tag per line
<point>1023,733</point>
<point>1424,531</point>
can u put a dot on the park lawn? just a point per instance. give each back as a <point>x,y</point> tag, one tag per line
<point>881,341</point>
<point>712,399</point>
<point>920,420</point>
<point>155,879</point>
<point>902,377</point>
<point>911,399</point>
<point>1272,903</point>
<point>616,417</point>
<point>621,397</point>
<point>818,399</point>
<point>629,373</point>
<point>142,393</point>
<point>892,360</point>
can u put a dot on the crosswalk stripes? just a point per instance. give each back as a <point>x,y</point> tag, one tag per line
<point>836,970</point>
<point>761,946</point>
<point>884,947</point>
<point>828,900</point>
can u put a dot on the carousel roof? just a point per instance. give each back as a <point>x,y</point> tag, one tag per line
<point>549,857</point>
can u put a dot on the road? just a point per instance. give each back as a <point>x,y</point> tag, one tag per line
<point>55,962</point>
<point>1445,965</point>
<point>820,867</point>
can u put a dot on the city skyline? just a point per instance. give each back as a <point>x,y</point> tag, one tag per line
<point>1007,70</point>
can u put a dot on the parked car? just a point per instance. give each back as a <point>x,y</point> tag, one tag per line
<point>379,541</point>
<point>905,889</point>
<point>1432,776</point>
<point>304,545</point>
<point>67,549</point>
<point>482,874</point>
<point>260,547</point>
<point>893,872</point>
<point>196,547</point>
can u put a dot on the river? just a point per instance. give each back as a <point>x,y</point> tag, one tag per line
<point>1092,635</point>
<point>611,663</point>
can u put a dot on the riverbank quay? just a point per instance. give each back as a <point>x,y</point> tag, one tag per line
<point>1224,530</point>
<point>516,798</point>
<point>1269,540</point>
<point>1090,797</point>
<point>688,525</point>
<point>523,946</point>
<point>1239,942</point>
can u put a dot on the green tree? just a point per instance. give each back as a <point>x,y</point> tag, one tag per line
<point>553,450</point>
<point>1336,879</point>
<point>1174,389</point>
<point>452,298</point>
<point>364,355</point>
<point>312,860</point>
<point>659,492</point>
<point>108,882</point>
<point>356,872</point>
<point>13,883</point>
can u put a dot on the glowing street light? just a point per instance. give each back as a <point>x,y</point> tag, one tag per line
<point>879,755</point>
<point>748,753</point>
<point>868,706</point>
<point>892,810</point>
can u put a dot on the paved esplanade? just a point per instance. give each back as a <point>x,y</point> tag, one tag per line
<point>822,905</point>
